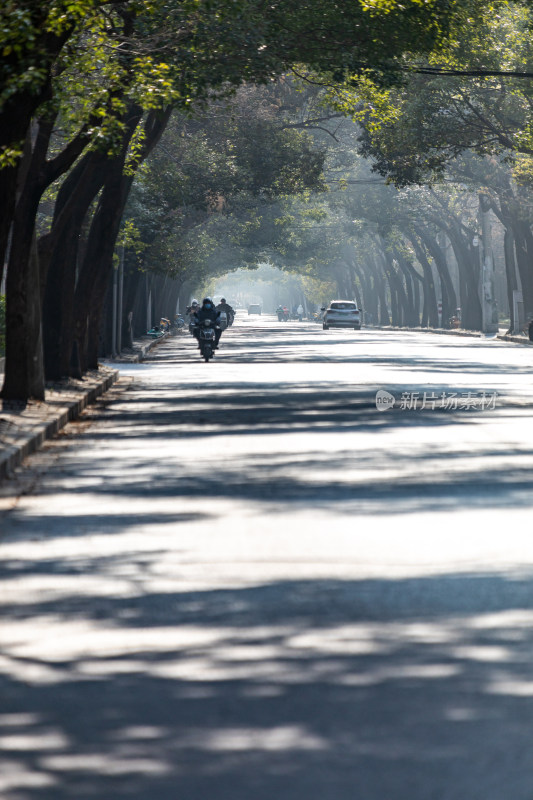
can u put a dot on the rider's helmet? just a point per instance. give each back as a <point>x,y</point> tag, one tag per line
<point>194,302</point>
<point>222,299</point>
<point>207,302</point>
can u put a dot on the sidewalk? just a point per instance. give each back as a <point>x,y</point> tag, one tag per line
<point>139,350</point>
<point>502,335</point>
<point>23,429</point>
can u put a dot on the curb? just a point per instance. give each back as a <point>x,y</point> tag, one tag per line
<point>26,430</point>
<point>504,337</point>
<point>139,352</point>
<point>513,338</point>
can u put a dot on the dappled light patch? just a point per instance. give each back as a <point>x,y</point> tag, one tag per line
<point>234,581</point>
<point>237,699</point>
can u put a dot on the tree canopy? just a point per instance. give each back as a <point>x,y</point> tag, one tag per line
<point>254,95</point>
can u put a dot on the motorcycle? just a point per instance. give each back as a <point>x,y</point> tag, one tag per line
<point>206,336</point>
<point>227,316</point>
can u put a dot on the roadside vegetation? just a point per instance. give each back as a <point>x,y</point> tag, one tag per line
<point>382,148</point>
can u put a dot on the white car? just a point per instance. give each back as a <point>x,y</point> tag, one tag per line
<point>342,314</point>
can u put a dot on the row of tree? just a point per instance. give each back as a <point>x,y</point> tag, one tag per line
<point>184,138</point>
<point>468,135</point>
<point>453,144</point>
<point>405,253</point>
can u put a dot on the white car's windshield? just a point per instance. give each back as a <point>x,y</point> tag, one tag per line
<point>343,306</point>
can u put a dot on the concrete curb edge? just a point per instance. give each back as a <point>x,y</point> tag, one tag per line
<point>13,454</point>
<point>454,332</point>
<point>142,349</point>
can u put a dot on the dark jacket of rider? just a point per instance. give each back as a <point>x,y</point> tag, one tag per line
<point>226,309</point>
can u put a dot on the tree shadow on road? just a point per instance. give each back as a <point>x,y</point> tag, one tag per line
<point>290,689</point>
<point>129,670</point>
<point>307,446</point>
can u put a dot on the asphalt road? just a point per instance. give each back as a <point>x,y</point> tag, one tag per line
<point>242,581</point>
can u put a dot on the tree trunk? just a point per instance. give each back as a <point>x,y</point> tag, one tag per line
<point>449,298</point>
<point>97,265</point>
<point>468,263</point>
<point>21,107</point>
<point>524,259</point>
<point>384,318</point>
<point>369,296</point>
<point>412,291</point>
<point>24,345</point>
<point>98,262</point>
<point>355,290</point>
<point>504,212</point>
<point>24,376</point>
<point>59,256</point>
<point>132,282</point>
<point>8,191</point>
<point>374,299</point>
<point>15,121</point>
<point>430,297</point>
<point>399,305</point>
<point>172,299</point>
<point>510,275</point>
<point>35,175</point>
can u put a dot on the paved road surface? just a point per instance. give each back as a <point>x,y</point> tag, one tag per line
<point>241,581</point>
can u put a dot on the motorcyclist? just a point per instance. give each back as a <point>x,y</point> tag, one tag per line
<point>225,308</point>
<point>207,311</point>
<point>194,306</point>
<point>191,310</point>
